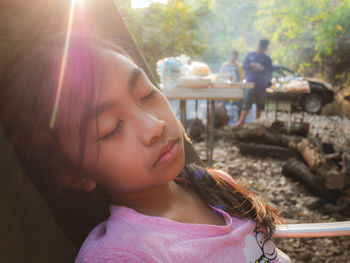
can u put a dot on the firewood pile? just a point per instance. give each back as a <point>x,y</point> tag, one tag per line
<point>317,164</point>
<point>297,204</point>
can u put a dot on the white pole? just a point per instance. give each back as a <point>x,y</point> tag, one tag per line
<point>313,230</point>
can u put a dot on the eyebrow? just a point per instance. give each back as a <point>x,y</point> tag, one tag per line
<point>106,105</point>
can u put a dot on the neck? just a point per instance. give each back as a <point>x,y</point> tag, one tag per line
<point>156,201</point>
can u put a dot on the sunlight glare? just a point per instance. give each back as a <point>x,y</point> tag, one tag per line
<point>145,3</point>
<point>63,64</point>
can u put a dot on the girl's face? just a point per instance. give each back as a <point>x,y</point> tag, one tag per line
<point>136,142</point>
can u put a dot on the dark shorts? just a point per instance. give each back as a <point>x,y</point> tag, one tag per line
<point>256,96</point>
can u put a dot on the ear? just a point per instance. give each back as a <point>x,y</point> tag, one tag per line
<point>77,181</point>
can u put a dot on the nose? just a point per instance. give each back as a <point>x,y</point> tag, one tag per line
<point>152,128</point>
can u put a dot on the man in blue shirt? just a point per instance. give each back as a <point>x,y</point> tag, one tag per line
<point>258,68</point>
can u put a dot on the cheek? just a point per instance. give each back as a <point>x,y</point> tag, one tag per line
<point>169,115</point>
<point>176,124</point>
<point>119,169</point>
<point>112,156</point>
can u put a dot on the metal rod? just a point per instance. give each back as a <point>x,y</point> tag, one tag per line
<point>207,131</point>
<point>211,133</point>
<point>332,229</point>
<point>183,113</point>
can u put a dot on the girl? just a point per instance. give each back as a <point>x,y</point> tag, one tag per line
<point>101,124</point>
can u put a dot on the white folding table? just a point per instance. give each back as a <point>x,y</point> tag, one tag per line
<point>234,91</point>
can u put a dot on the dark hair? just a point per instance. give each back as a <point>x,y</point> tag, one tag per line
<point>27,96</point>
<point>263,43</point>
<point>226,194</point>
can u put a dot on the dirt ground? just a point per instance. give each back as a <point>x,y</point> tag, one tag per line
<point>292,199</point>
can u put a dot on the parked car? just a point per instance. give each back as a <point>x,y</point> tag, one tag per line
<point>320,92</point>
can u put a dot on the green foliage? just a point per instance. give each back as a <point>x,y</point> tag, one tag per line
<point>229,26</point>
<point>206,30</point>
<point>311,36</point>
<point>164,30</point>
<point>306,32</point>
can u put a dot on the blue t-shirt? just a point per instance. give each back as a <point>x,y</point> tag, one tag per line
<point>260,78</point>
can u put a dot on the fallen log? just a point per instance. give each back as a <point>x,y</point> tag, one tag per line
<point>311,154</point>
<point>313,151</point>
<point>261,135</point>
<point>330,177</point>
<point>346,163</point>
<point>300,171</point>
<point>333,156</point>
<point>327,173</point>
<point>278,139</point>
<point>328,148</point>
<point>291,127</point>
<point>250,133</point>
<point>268,150</point>
<point>345,157</point>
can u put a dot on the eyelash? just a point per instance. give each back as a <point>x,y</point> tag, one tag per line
<point>149,96</point>
<point>111,135</point>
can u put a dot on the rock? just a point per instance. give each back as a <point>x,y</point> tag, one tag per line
<point>313,202</point>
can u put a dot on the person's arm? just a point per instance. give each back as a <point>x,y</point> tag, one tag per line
<point>246,63</point>
<point>222,67</point>
<point>268,68</point>
<point>240,71</point>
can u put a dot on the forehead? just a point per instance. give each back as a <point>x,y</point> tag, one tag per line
<point>116,65</point>
<point>82,94</point>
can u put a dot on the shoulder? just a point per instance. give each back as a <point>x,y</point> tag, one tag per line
<point>127,235</point>
<point>225,63</point>
<point>267,57</point>
<point>238,65</point>
<point>252,54</point>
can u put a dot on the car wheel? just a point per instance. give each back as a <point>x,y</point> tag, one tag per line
<point>313,103</point>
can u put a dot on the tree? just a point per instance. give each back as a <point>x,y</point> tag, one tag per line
<point>206,30</point>
<point>164,30</point>
<point>309,34</point>
<point>229,25</point>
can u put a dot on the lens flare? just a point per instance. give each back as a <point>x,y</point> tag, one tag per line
<point>63,63</point>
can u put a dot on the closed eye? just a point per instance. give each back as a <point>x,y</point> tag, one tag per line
<point>153,93</point>
<point>112,133</point>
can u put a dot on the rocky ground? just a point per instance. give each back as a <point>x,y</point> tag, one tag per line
<point>296,204</point>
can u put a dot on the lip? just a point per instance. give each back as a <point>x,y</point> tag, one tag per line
<point>167,152</point>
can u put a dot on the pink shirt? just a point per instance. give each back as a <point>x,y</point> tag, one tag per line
<point>129,236</point>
